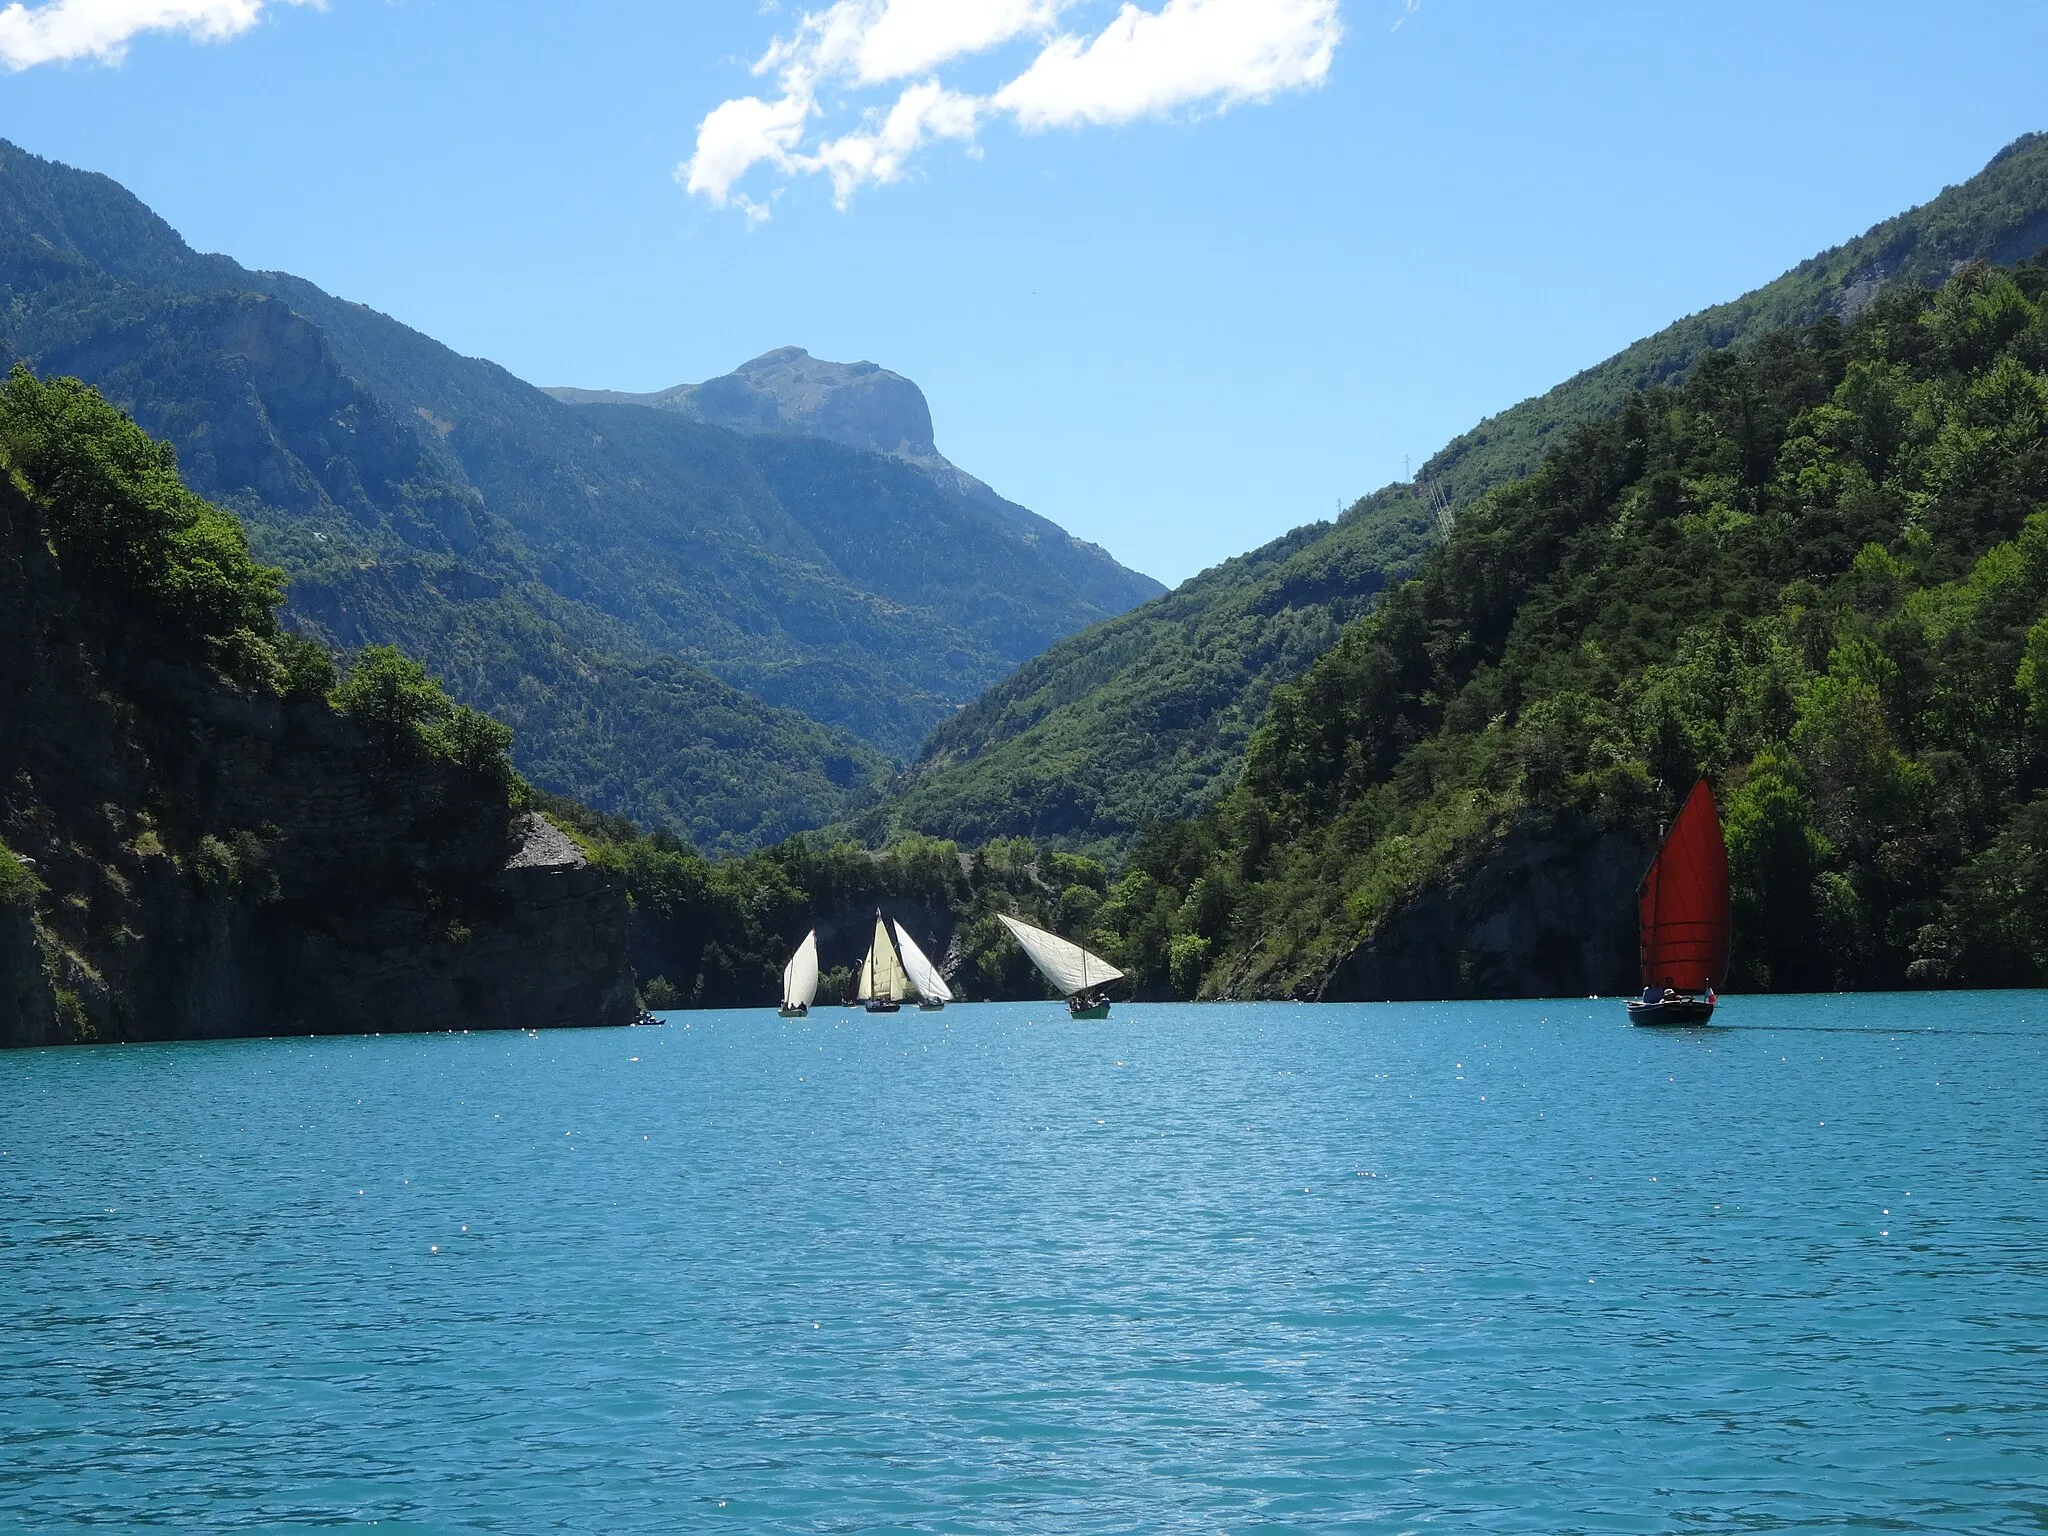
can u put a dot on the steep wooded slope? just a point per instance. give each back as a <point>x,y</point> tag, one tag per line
<point>1144,719</point>
<point>1816,573</point>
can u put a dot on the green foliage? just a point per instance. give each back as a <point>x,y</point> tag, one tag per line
<point>1816,571</point>
<point>19,888</point>
<point>306,667</point>
<point>1143,719</point>
<point>74,1024</point>
<point>408,718</point>
<point>120,520</point>
<point>1993,924</point>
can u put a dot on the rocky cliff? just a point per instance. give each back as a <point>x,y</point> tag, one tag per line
<point>192,857</point>
<point>1550,912</point>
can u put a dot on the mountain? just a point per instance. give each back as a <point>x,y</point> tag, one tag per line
<point>1145,718</point>
<point>203,832</point>
<point>722,632</point>
<point>1815,572</point>
<point>857,405</point>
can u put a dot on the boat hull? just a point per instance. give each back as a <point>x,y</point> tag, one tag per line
<point>1684,1010</point>
<point>931,1007</point>
<point>1091,1011</point>
<point>877,1005</point>
<point>794,1013</point>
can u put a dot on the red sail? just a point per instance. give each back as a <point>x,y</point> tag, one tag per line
<point>1683,902</point>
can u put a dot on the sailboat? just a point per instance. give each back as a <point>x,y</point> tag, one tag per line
<point>925,980</point>
<point>1084,978</point>
<point>1683,909</point>
<point>883,983</point>
<point>800,979</point>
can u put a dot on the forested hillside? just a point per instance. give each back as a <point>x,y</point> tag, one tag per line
<point>1145,718</point>
<point>721,633</point>
<point>1816,572</point>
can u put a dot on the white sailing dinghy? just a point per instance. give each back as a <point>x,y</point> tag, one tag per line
<point>800,979</point>
<point>932,991</point>
<point>1082,977</point>
<point>883,982</point>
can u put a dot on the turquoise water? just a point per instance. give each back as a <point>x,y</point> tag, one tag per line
<point>1473,1267</point>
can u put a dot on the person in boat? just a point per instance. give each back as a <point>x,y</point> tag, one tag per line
<point>1651,996</point>
<point>1670,991</point>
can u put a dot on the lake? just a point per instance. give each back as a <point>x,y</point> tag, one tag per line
<point>1457,1267</point>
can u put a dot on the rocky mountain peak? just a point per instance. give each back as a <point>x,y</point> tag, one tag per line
<point>857,405</point>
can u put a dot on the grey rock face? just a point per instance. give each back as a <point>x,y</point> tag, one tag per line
<point>858,405</point>
<point>1550,912</point>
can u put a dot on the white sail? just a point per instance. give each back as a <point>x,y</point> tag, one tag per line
<point>881,976</point>
<point>924,976</point>
<point>1067,966</point>
<point>800,976</point>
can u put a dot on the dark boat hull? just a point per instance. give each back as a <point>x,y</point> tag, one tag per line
<point>879,1006</point>
<point>1094,1011</point>
<point>794,1013</point>
<point>1685,1010</point>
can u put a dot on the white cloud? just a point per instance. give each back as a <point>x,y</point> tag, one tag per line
<point>738,135</point>
<point>1188,53</point>
<point>1184,55</point>
<point>872,42</point>
<point>59,31</point>
<point>877,153</point>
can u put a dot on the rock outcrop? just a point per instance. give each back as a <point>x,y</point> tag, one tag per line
<point>1548,912</point>
<point>216,862</point>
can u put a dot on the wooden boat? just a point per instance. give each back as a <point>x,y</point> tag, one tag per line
<point>883,982</point>
<point>925,980</point>
<point>1682,909</point>
<point>1083,978</point>
<point>800,979</point>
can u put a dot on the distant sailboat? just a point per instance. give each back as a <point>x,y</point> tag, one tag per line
<point>1083,978</point>
<point>1682,907</point>
<point>925,980</point>
<point>800,978</point>
<point>883,982</point>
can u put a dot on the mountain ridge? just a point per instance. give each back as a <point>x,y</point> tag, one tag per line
<point>1000,767</point>
<point>722,633</point>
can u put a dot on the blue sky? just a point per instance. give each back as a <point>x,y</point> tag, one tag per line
<point>1179,331</point>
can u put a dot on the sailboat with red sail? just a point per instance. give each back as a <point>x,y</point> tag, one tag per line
<point>1682,905</point>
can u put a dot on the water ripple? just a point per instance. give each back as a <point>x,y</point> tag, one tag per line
<point>1495,1268</point>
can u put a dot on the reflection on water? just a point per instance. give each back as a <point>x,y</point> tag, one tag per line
<point>1473,1266</point>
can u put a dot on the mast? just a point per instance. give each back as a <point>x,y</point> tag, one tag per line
<point>881,974</point>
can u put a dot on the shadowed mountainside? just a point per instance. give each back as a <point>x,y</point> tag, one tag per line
<point>717,631</point>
